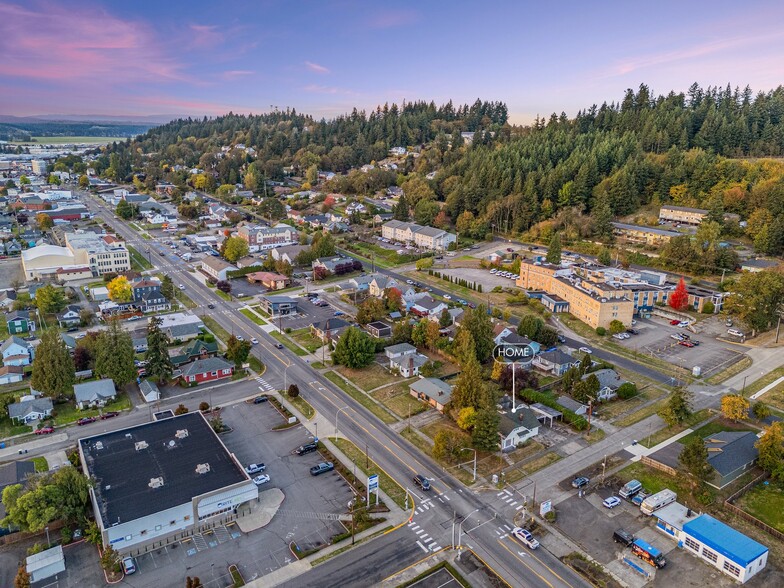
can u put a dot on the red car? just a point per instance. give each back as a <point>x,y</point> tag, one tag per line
<point>44,430</point>
<point>675,322</point>
<point>85,421</point>
<point>108,415</point>
<point>686,343</point>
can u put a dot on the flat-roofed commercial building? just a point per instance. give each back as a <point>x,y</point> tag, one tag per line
<point>162,481</point>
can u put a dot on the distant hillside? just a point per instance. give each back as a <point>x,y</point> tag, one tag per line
<point>22,129</point>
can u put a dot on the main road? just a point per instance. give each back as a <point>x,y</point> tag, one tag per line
<point>448,515</point>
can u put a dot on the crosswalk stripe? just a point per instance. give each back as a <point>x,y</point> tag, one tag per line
<point>435,547</point>
<point>428,540</point>
<point>420,531</point>
<point>513,503</point>
<point>507,527</point>
<point>500,493</point>
<point>519,507</point>
<point>425,537</point>
<point>447,497</point>
<point>425,549</point>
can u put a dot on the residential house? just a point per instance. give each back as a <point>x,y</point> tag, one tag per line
<point>261,237</point>
<point>17,352</point>
<point>427,306</point>
<point>336,265</point>
<point>360,283</point>
<point>609,382</point>
<point>380,283</point>
<point>434,391</point>
<point>515,428</point>
<point>315,220</point>
<point>382,217</point>
<point>30,409</point>
<point>269,280</point>
<point>11,374</point>
<point>730,454</point>
<point>758,265</point>
<point>206,370</point>
<point>147,295</point>
<point>164,188</point>
<point>555,361</point>
<point>93,394</point>
<point>399,350</point>
<point>644,235</point>
<point>408,365</point>
<point>332,328</point>
<point>149,391</point>
<point>195,349</point>
<point>571,404</point>
<point>216,267</point>
<point>379,329</point>
<point>248,261</point>
<point>288,253</point>
<point>510,338</point>
<point>356,207</point>
<point>15,472</point>
<point>69,317</point>
<point>279,305</point>
<point>19,321</point>
<point>496,257</point>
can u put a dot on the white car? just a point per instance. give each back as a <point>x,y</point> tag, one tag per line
<point>181,287</point>
<point>255,468</point>
<point>586,350</point>
<point>447,296</point>
<point>240,337</point>
<point>611,502</point>
<point>409,282</point>
<point>254,341</point>
<point>493,271</point>
<point>262,479</point>
<point>619,336</point>
<point>525,537</point>
<point>683,324</point>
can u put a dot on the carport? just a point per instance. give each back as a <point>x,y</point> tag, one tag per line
<point>545,413</point>
<point>45,564</point>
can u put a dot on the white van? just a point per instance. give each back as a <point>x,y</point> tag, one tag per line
<point>735,332</point>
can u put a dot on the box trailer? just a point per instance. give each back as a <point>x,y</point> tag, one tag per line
<point>658,500</point>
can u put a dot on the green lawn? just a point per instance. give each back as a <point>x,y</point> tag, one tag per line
<point>41,465</point>
<point>386,258</point>
<point>288,343</point>
<point>398,399</point>
<point>369,377</point>
<point>184,300</point>
<point>303,406</point>
<point>766,502</point>
<point>654,480</point>
<point>215,328</point>
<point>9,429</point>
<point>252,316</point>
<point>67,413</point>
<point>305,339</point>
<point>388,485</point>
<point>667,432</point>
<point>256,365</point>
<point>361,397</point>
<point>224,295</point>
<point>138,261</point>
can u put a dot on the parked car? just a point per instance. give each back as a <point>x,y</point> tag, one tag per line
<point>181,287</point>
<point>611,502</point>
<point>239,337</point>
<point>463,302</point>
<point>260,399</point>
<point>633,331</point>
<point>735,332</point>
<point>307,448</point>
<point>676,336</point>
<point>447,296</point>
<point>624,537</point>
<point>262,479</point>
<point>580,482</point>
<point>255,468</point>
<point>128,566</point>
<point>619,336</point>
<point>683,324</point>
<point>44,430</point>
<point>85,421</point>
<point>674,321</point>
<point>109,415</point>
<point>686,343</point>
<point>322,468</point>
<point>422,482</point>
<point>471,305</point>
<point>525,537</point>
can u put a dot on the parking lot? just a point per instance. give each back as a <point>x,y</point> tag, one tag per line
<point>300,520</point>
<point>654,339</point>
<point>308,313</point>
<point>480,276</point>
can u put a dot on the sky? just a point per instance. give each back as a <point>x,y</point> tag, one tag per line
<point>323,57</point>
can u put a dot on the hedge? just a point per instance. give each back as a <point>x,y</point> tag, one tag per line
<point>244,271</point>
<point>576,421</point>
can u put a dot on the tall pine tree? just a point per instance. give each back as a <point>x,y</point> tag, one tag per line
<point>114,358</point>
<point>53,368</point>
<point>159,365</point>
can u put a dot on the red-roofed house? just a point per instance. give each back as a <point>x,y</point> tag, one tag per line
<point>269,280</point>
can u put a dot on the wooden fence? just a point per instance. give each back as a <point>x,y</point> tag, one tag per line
<point>728,504</point>
<point>658,465</point>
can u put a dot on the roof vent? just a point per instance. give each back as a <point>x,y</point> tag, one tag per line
<point>108,487</point>
<point>202,468</point>
<point>181,433</point>
<point>155,482</point>
<point>141,445</point>
<point>98,445</point>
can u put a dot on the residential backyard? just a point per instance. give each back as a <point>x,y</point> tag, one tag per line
<point>765,502</point>
<point>397,398</point>
<point>304,338</point>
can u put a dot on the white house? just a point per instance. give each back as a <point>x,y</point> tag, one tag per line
<point>515,428</point>
<point>408,365</point>
<point>216,267</point>
<point>30,408</point>
<point>399,350</point>
<point>11,374</point>
<point>17,352</point>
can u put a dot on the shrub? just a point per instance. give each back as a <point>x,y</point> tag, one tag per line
<point>708,307</point>
<point>65,536</point>
<point>601,331</point>
<point>293,391</point>
<point>204,406</point>
<point>627,390</point>
<point>181,409</point>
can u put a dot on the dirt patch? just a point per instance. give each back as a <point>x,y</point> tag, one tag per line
<point>590,571</point>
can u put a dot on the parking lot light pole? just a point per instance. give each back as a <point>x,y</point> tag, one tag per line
<point>474,450</point>
<point>336,420</point>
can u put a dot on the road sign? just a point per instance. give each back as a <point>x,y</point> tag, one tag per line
<point>545,507</point>
<point>372,482</point>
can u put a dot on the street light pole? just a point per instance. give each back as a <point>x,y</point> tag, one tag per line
<point>336,420</point>
<point>474,450</point>
<point>460,531</point>
<point>744,384</point>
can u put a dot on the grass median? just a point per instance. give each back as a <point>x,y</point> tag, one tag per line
<point>215,328</point>
<point>361,397</point>
<point>138,261</point>
<point>253,316</point>
<point>392,489</point>
<point>303,406</point>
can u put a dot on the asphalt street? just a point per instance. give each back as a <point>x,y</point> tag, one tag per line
<point>485,524</point>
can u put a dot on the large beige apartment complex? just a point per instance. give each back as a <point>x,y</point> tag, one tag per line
<point>688,216</point>
<point>260,237</point>
<point>596,303</point>
<point>644,235</point>
<point>421,236</point>
<point>84,256</point>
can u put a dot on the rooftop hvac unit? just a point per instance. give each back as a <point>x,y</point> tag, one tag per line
<point>99,445</point>
<point>181,433</point>
<point>202,468</point>
<point>155,482</point>
<point>141,445</point>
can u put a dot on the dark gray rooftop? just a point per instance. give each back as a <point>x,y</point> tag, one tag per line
<point>123,466</point>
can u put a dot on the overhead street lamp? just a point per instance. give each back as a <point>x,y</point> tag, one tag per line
<point>336,420</point>
<point>460,531</point>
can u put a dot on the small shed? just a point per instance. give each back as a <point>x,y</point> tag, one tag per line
<point>45,564</point>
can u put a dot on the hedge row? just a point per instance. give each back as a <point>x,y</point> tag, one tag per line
<point>576,421</point>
